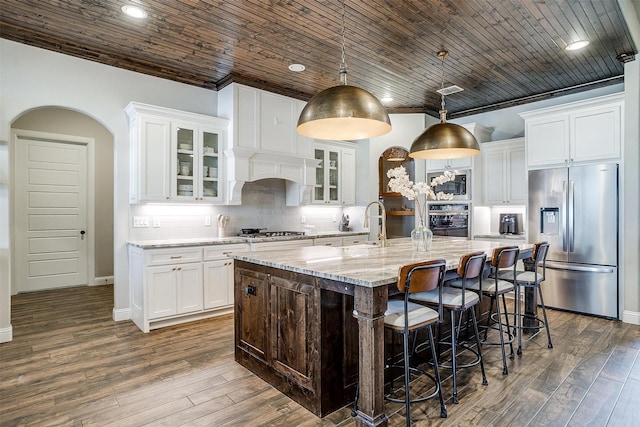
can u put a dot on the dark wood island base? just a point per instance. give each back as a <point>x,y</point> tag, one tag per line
<point>297,332</point>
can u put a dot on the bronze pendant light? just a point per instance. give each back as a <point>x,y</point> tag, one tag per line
<point>444,140</point>
<point>343,112</point>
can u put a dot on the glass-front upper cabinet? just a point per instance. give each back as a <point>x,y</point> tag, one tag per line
<point>196,163</point>
<point>327,185</point>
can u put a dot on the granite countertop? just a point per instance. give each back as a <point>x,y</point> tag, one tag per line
<point>367,265</point>
<point>205,241</point>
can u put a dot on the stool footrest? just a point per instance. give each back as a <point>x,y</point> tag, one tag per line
<point>415,371</point>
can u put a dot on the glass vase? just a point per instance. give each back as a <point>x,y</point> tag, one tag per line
<point>421,237</point>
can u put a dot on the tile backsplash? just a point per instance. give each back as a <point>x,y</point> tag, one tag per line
<point>263,206</point>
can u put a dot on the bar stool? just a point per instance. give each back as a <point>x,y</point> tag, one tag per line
<point>502,258</point>
<point>458,300</point>
<point>405,317</point>
<point>532,279</point>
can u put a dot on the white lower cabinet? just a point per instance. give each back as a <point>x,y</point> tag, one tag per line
<point>218,275</point>
<point>174,289</point>
<point>176,285</point>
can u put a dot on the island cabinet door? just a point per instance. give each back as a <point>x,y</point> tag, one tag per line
<point>294,337</point>
<point>252,322</point>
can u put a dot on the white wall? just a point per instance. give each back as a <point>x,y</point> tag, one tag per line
<point>32,78</point>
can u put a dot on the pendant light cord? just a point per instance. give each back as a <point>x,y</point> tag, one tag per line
<point>443,111</point>
<point>343,65</point>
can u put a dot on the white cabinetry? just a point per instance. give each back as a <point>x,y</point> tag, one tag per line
<point>584,131</point>
<point>280,245</point>
<point>175,155</point>
<point>176,285</point>
<point>334,174</point>
<point>263,141</point>
<point>218,274</point>
<point>504,172</point>
<point>340,241</point>
<point>174,289</point>
<point>449,164</point>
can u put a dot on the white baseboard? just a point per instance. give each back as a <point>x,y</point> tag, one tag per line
<point>6,334</point>
<point>104,280</point>
<point>632,317</point>
<point>121,314</point>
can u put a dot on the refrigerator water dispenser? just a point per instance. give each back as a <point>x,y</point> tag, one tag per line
<point>550,220</point>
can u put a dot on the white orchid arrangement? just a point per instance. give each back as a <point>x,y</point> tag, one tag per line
<point>399,182</point>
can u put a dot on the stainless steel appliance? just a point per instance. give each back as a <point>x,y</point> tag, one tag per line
<point>459,186</point>
<point>449,219</point>
<point>261,232</point>
<point>575,209</point>
<point>511,223</point>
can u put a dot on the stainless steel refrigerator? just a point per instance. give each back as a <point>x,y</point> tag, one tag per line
<point>575,209</point>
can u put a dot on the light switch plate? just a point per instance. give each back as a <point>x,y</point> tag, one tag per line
<point>140,221</point>
<point>207,220</point>
<point>156,222</point>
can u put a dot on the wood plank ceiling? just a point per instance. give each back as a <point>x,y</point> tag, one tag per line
<point>501,52</point>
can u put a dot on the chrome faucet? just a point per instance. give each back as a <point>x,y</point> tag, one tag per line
<point>383,232</point>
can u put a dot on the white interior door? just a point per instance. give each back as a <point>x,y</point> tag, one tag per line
<point>50,214</point>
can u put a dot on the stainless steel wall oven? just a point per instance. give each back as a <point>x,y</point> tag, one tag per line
<point>449,219</point>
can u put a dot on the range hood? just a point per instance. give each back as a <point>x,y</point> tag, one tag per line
<point>247,165</point>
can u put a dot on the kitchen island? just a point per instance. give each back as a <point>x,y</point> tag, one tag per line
<point>294,325</point>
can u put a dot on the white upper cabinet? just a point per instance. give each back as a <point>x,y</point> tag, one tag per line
<point>583,131</point>
<point>175,155</point>
<point>334,174</point>
<point>264,143</point>
<point>504,172</point>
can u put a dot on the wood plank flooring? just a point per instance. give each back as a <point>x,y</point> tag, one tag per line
<point>71,365</point>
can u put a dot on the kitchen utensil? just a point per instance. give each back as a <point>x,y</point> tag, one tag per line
<point>223,220</point>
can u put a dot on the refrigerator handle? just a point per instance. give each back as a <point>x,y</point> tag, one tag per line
<point>563,217</point>
<point>571,214</point>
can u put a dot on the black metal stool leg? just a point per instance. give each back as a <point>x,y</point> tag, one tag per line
<point>443,407</point>
<point>544,314</point>
<point>506,318</point>
<point>501,332</point>
<point>453,355</point>
<point>478,344</point>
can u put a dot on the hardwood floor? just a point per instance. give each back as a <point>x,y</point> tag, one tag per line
<point>71,365</point>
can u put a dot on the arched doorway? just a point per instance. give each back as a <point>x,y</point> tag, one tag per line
<point>66,122</point>
<point>400,211</point>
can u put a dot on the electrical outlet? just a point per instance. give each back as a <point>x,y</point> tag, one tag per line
<point>140,221</point>
<point>303,220</point>
<point>207,220</point>
<point>156,222</point>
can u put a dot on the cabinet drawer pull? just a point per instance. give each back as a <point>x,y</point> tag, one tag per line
<point>176,256</point>
<point>227,252</point>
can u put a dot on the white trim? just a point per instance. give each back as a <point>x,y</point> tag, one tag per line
<point>103,280</point>
<point>120,314</point>
<point>6,334</point>
<point>632,317</point>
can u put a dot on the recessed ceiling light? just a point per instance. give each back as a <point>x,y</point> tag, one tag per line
<point>297,68</point>
<point>134,11</point>
<point>386,99</point>
<point>577,45</point>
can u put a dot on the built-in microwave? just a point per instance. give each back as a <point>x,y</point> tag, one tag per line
<point>460,187</point>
